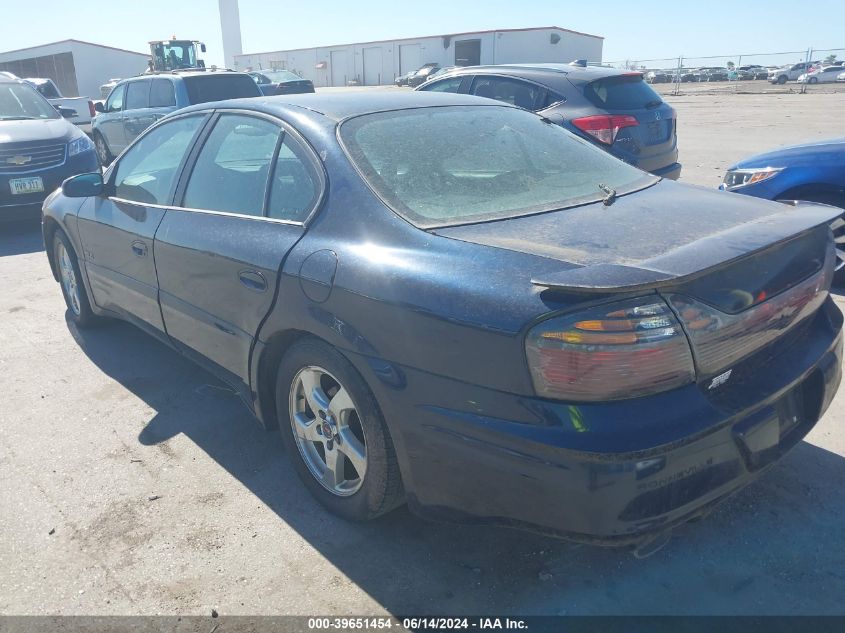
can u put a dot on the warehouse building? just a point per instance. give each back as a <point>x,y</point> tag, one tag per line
<point>78,68</point>
<point>378,63</point>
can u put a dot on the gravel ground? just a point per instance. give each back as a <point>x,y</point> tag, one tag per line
<point>132,482</point>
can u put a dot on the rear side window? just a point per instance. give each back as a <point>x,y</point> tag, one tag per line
<point>162,94</point>
<point>232,168</point>
<point>295,186</point>
<point>512,91</point>
<point>138,95</point>
<point>205,88</point>
<point>622,92</point>
<point>452,84</point>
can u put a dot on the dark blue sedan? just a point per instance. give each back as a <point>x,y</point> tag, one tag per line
<point>812,171</point>
<point>455,303</point>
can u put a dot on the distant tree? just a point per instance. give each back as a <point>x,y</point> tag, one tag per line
<point>830,59</point>
<point>731,65</point>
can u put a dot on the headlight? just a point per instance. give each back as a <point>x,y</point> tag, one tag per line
<point>741,177</point>
<point>79,145</point>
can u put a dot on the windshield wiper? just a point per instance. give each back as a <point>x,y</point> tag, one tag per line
<point>611,195</point>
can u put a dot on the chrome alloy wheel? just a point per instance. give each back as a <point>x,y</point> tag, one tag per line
<point>328,431</point>
<point>838,227</point>
<point>102,150</point>
<point>69,281</point>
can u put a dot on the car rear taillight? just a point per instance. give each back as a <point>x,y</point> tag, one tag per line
<point>91,111</point>
<point>604,127</point>
<point>621,350</point>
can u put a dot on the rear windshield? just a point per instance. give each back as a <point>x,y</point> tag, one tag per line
<point>205,88</point>
<point>443,166</point>
<point>623,92</point>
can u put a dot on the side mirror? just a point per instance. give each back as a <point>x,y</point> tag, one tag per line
<point>99,107</point>
<point>202,47</point>
<point>67,113</point>
<point>83,185</point>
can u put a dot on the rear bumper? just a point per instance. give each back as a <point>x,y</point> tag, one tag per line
<point>616,473</point>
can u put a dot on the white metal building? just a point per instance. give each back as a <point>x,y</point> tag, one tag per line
<point>78,68</point>
<point>378,63</point>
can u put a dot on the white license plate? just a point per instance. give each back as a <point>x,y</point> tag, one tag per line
<point>26,185</point>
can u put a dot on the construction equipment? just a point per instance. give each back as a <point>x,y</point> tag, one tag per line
<point>173,54</point>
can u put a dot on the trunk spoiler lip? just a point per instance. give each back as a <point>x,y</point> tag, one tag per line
<point>695,259</point>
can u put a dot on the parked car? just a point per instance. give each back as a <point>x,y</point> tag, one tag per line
<point>38,149</point>
<point>751,72</point>
<point>422,74</point>
<point>615,109</point>
<point>135,104</point>
<point>790,72</point>
<point>281,82</point>
<point>440,71</point>
<point>840,76</point>
<point>659,76</point>
<point>824,75</point>
<point>83,106</point>
<point>812,171</point>
<point>402,80</point>
<point>714,73</point>
<point>557,365</point>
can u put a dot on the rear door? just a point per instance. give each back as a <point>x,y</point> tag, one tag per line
<point>651,144</point>
<point>242,207</point>
<point>117,231</point>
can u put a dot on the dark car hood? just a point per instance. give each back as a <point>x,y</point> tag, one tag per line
<point>662,233</point>
<point>38,130</point>
<point>830,151</point>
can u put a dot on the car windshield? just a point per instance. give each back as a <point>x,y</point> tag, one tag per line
<point>455,165</point>
<point>21,101</point>
<point>279,76</point>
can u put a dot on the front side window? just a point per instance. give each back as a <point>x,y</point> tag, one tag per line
<point>512,91</point>
<point>115,101</point>
<point>453,165</point>
<point>453,84</point>
<point>148,170</point>
<point>233,166</point>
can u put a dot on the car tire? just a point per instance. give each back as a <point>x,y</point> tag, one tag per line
<point>70,280</point>
<point>103,152</point>
<point>320,426</point>
<point>813,80</point>
<point>781,80</point>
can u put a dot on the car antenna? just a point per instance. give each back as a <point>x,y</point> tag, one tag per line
<point>611,195</point>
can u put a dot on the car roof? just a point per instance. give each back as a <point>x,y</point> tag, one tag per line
<point>549,74</point>
<point>342,105</point>
<point>182,73</point>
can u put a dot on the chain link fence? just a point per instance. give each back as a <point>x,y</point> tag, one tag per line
<point>747,72</point>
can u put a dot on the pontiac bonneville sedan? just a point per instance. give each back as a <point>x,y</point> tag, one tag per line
<point>452,302</point>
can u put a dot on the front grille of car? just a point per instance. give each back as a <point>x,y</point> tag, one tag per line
<point>31,157</point>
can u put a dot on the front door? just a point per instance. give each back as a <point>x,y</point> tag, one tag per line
<point>117,231</point>
<point>110,122</point>
<point>220,252</point>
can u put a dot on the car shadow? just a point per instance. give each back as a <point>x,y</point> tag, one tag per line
<point>777,547</point>
<point>19,238</point>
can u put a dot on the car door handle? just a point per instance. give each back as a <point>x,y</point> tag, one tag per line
<point>139,248</point>
<point>253,280</point>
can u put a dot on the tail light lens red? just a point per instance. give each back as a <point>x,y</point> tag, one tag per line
<point>604,127</point>
<point>91,111</point>
<point>617,351</point>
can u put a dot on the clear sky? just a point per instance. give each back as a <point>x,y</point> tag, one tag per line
<point>632,29</point>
